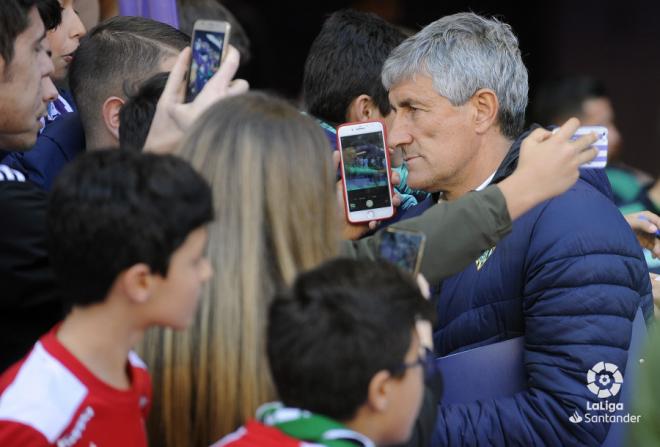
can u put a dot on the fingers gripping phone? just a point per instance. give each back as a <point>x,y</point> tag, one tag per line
<point>209,43</point>
<point>601,145</point>
<point>365,169</point>
<point>402,248</point>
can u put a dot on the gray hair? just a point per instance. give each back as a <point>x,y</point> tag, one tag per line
<point>463,53</point>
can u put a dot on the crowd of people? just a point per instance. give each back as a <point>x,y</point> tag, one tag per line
<point>184,274</point>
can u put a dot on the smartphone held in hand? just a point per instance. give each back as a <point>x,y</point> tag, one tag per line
<point>365,170</point>
<point>402,248</point>
<point>600,161</point>
<point>209,42</point>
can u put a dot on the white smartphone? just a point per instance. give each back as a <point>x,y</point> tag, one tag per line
<point>600,161</point>
<point>601,144</point>
<point>365,168</point>
<point>208,45</point>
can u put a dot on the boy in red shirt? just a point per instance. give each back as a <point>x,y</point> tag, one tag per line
<point>347,359</point>
<point>127,237</point>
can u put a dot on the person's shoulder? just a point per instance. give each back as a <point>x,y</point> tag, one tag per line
<point>21,202</point>
<point>256,434</point>
<point>41,393</point>
<point>140,378</point>
<point>14,185</point>
<point>10,175</point>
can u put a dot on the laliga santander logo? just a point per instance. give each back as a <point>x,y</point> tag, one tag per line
<point>604,380</point>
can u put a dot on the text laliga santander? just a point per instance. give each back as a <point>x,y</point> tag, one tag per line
<point>605,405</point>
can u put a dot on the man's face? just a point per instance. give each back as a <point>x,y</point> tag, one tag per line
<point>435,136</point>
<point>25,87</point>
<point>65,39</point>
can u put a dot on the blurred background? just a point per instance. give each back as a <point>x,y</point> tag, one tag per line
<point>617,42</point>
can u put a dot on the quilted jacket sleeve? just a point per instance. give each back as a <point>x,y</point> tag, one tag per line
<point>584,278</point>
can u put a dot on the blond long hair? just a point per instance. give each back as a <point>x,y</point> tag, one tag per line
<point>271,173</point>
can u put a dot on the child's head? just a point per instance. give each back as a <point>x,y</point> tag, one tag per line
<point>132,224</point>
<point>342,343</point>
<point>65,38</point>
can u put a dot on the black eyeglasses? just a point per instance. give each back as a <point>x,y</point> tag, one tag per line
<point>426,360</point>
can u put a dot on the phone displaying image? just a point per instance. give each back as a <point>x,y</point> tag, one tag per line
<point>402,248</point>
<point>365,169</point>
<point>208,48</point>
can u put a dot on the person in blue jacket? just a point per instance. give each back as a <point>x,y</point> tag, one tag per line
<point>61,138</point>
<point>570,276</point>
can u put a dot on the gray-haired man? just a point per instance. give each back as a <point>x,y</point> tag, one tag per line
<point>569,277</point>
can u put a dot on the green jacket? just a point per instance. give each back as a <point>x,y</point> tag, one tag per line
<point>456,232</point>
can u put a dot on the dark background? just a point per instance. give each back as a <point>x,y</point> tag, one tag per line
<point>617,42</point>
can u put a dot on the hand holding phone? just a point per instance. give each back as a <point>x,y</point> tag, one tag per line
<point>600,161</point>
<point>365,170</point>
<point>209,43</point>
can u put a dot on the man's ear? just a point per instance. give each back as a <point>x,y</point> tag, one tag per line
<point>361,109</point>
<point>486,107</point>
<point>111,108</point>
<point>378,398</point>
<point>137,283</point>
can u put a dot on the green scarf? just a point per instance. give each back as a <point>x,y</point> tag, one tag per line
<point>309,427</point>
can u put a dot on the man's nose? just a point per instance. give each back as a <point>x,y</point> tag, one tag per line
<point>398,135</point>
<point>48,89</point>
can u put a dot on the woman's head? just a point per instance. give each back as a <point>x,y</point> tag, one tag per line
<point>276,215</point>
<point>270,169</point>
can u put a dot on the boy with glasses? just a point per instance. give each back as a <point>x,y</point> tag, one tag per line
<point>348,359</point>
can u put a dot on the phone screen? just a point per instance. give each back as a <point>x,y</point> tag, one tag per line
<point>402,248</point>
<point>365,171</point>
<point>206,56</point>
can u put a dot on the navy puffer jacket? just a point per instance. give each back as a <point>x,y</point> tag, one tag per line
<point>570,278</point>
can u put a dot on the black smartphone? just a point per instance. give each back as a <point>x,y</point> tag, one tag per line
<point>402,247</point>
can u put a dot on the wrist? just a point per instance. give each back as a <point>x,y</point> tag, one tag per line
<point>520,194</point>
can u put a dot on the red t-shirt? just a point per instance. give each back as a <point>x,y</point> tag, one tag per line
<point>256,434</point>
<point>50,399</point>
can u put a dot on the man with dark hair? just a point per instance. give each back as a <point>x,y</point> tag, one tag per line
<point>342,73</point>
<point>29,303</point>
<point>341,81</point>
<point>337,387</point>
<point>127,236</point>
<point>138,112</point>
<point>116,53</point>
<point>61,138</point>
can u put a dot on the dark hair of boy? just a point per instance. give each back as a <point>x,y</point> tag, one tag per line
<point>110,210</point>
<point>13,21</point>
<point>50,12</point>
<point>116,50</point>
<point>325,335</point>
<point>345,61</point>
<point>561,98</point>
<point>138,112</point>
